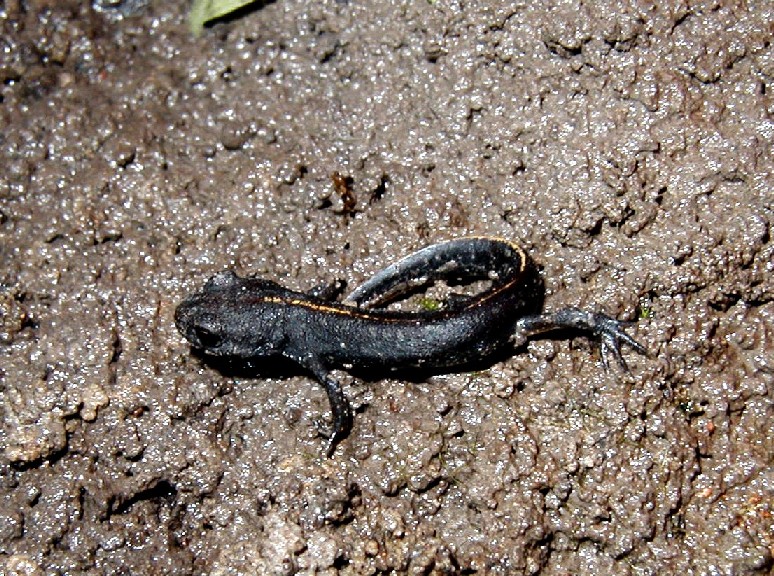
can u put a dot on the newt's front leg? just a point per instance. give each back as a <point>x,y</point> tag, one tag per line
<point>340,409</point>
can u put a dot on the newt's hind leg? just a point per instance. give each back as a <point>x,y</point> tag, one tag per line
<point>609,331</point>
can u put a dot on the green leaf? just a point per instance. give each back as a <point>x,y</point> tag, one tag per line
<point>203,11</point>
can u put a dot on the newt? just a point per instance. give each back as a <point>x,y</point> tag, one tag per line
<point>250,318</point>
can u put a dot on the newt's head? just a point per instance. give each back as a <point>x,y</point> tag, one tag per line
<point>233,316</point>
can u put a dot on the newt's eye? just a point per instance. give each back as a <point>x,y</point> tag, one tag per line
<point>206,337</point>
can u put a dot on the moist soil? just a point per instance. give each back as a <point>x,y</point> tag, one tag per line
<point>627,147</point>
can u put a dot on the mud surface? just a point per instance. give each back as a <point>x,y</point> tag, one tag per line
<point>628,149</point>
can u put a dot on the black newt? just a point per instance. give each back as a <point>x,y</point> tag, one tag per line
<point>256,318</point>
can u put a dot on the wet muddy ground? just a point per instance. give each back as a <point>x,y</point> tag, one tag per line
<point>628,148</point>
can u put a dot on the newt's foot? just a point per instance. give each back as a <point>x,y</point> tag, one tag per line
<point>611,336</point>
<point>333,433</point>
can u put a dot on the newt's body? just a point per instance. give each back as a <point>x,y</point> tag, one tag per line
<point>252,318</point>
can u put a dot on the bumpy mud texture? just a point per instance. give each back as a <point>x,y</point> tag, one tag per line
<point>628,148</point>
